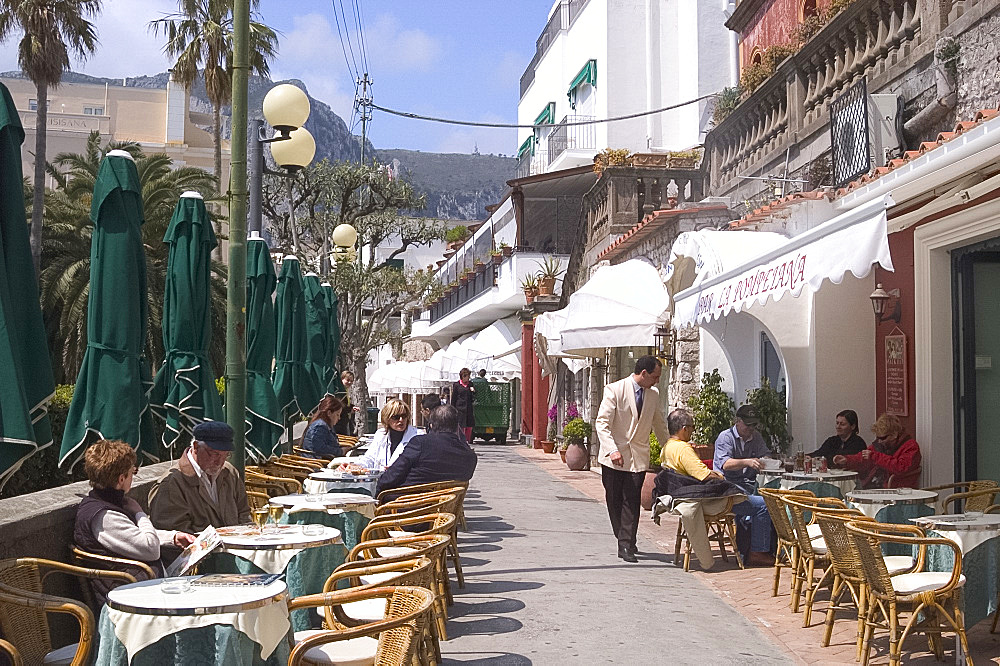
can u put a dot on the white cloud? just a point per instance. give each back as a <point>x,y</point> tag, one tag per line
<point>393,48</point>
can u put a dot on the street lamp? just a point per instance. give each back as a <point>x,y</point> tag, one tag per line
<point>344,238</point>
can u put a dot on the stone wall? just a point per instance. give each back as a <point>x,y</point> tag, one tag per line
<point>978,79</point>
<point>41,525</point>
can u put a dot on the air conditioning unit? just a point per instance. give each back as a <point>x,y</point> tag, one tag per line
<point>865,132</point>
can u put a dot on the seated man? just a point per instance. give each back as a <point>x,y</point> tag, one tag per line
<point>738,451</point>
<point>201,488</point>
<point>440,455</point>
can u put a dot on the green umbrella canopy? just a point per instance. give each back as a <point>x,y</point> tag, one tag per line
<point>111,397</point>
<point>317,329</point>
<point>333,383</point>
<point>184,392</point>
<point>26,384</point>
<point>294,385</point>
<point>263,419</point>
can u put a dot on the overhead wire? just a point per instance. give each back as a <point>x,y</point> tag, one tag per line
<point>344,43</point>
<point>359,20</point>
<point>596,121</point>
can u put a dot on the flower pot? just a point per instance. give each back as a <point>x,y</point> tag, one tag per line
<point>646,498</point>
<point>454,245</point>
<point>464,279</point>
<point>562,454</point>
<point>480,268</point>
<point>497,259</point>
<point>529,296</point>
<point>548,447</point>
<point>546,285</point>
<point>577,457</point>
<point>507,251</point>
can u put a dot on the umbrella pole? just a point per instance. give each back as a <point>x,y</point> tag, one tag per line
<point>236,293</point>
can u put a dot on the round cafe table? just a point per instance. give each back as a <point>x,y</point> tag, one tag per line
<point>895,505</point>
<point>347,512</point>
<point>832,483</point>
<point>307,560</point>
<point>332,481</point>
<point>978,539</point>
<point>141,624</point>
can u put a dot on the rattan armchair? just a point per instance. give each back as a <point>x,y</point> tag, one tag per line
<point>11,653</point>
<point>24,607</point>
<point>315,464</point>
<point>961,489</point>
<point>440,501</point>
<point>288,470</point>
<point>787,554</point>
<point>925,593</point>
<point>456,487</point>
<point>974,500</point>
<point>288,484</point>
<point>398,635</point>
<point>257,500</point>
<point>720,526</point>
<point>812,549</point>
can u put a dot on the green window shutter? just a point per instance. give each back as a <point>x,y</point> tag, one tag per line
<point>528,145</point>
<point>588,74</point>
<point>547,116</point>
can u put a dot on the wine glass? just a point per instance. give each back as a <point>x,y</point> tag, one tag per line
<point>259,519</point>
<point>275,511</point>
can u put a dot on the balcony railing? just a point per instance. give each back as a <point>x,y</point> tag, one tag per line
<point>532,164</point>
<point>571,137</point>
<point>478,282</point>
<point>562,18</point>
<point>874,38</point>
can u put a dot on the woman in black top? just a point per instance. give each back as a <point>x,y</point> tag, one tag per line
<point>846,442</point>
<point>463,395</point>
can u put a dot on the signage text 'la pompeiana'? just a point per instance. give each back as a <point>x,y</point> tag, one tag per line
<point>786,275</point>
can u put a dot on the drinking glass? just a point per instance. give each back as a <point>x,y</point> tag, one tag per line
<point>259,519</point>
<point>275,511</point>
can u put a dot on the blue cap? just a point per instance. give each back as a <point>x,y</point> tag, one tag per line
<point>214,434</point>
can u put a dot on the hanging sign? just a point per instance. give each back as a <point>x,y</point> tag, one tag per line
<point>895,374</point>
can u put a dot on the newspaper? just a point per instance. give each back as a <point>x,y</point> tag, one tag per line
<point>206,542</point>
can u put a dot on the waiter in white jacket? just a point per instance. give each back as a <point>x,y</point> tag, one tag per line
<point>629,411</point>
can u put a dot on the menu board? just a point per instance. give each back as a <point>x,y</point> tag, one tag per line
<point>896,401</point>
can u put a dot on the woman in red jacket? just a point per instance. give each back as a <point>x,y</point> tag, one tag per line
<point>891,461</point>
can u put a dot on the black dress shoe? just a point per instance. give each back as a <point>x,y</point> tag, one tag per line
<point>626,554</point>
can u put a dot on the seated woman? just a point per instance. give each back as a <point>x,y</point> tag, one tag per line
<point>320,439</point>
<point>108,522</point>
<point>846,442</point>
<point>391,439</point>
<point>892,460</point>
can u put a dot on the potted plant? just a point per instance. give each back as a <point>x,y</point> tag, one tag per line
<point>684,159</point>
<point>496,256</point>
<point>575,431</point>
<point>549,443</point>
<point>456,237</point>
<point>713,411</point>
<point>530,285</point>
<point>506,250</point>
<point>547,276</point>
<point>480,267</point>
<point>773,415</point>
<point>646,494</point>
<point>465,276</point>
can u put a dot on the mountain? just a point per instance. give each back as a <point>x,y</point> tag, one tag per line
<point>457,186</point>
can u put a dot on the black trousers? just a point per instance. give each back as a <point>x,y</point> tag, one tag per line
<point>622,491</point>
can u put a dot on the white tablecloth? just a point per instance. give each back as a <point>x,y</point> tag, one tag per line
<point>335,485</point>
<point>275,560</point>
<point>267,625</point>
<point>332,503</point>
<point>844,481</point>
<point>967,533</point>
<point>870,502</point>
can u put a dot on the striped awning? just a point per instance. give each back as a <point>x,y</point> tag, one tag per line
<point>588,74</point>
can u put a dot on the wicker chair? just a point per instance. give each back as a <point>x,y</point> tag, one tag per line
<point>288,484</point>
<point>392,641</point>
<point>963,489</point>
<point>847,571</point>
<point>925,593</point>
<point>257,500</point>
<point>787,554</point>
<point>721,526</point>
<point>82,558</point>
<point>432,546</point>
<point>409,506</point>
<point>457,487</point>
<point>24,608</point>
<point>812,549</point>
<point>288,470</point>
<point>11,653</point>
<point>303,461</point>
<point>391,527</point>
<point>974,500</point>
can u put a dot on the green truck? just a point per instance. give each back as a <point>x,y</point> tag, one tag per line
<point>492,411</point>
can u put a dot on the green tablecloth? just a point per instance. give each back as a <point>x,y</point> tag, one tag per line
<point>305,574</point>
<point>350,523</point>
<point>220,644</point>
<point>981,567</point>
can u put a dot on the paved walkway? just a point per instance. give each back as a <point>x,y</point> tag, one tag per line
<point>544,584</point>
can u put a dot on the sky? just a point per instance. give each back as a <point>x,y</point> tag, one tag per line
<point>458,59</point>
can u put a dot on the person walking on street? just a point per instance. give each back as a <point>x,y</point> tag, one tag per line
<point>463,395</point>
<point>629,411</point>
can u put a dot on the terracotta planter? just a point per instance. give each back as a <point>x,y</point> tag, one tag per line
<point>646,498</point>
<point>480,268</point>
<point>497,259</point>
<point>464,279</point>
<point>562,454</point>
<point>548,447</point>
<point>529,296</point>
<point>546,285</point>
<point>454,245</point>
<point>507,251</point>
<point>577,457</point>
<point>705,451</point>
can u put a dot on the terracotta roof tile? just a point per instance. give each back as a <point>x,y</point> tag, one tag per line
<point>986,114</point>
<point>646,227</point>
<point>947,136</point>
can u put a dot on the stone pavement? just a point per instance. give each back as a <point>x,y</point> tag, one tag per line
<point>544,584</point>
<point>747,592</point>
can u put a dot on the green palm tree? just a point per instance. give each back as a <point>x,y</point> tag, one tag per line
<point>201,35</point>
<point>52,30</point>
<point>65,278</point>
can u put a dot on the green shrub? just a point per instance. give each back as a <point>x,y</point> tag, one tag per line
<point>726,103</point>
<point>773,415</point>
<point>654,451</point>
<point>576,430</point>
<point>455,234</point>
<point>713,410</point>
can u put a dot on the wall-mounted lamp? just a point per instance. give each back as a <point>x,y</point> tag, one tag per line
<point>883,306</point>
<point>665,341</point>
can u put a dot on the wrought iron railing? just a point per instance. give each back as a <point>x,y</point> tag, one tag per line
<point>478,282</point>
<point>571,137</point>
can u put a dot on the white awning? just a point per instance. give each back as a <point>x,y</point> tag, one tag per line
<point>849,242</point>
<point>698,256</point>
<point>619,306</point>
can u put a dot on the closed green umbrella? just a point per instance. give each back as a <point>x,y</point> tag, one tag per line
<point>294,384</point>
<point>26,384</point>
<point>184,392</point>
<point>317,330</point>
<point>111,398</point>
<point>263,419</point>
<point>333,384</point>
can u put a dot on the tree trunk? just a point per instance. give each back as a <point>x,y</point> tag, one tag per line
<point>217,169</point>
<point>359,390</point>
<point>38,200</point>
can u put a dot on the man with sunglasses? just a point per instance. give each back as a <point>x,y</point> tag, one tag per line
<point>738,453</point>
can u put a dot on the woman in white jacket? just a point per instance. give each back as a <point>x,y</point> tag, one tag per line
<point>391,439</point>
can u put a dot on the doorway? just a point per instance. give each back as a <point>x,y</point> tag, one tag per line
<point>976,283</point>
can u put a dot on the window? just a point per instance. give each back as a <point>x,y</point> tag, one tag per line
<point>32,105</point>
<point>93,110</point>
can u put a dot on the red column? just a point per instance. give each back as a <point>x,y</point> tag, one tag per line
<point>541,398</point>
<point>527,376</point>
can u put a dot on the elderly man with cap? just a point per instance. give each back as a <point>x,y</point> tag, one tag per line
<point>201,488</point>
<point>738,453</point>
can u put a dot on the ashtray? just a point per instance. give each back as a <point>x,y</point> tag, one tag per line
<point>175,586</point>
<point>313,529</point>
